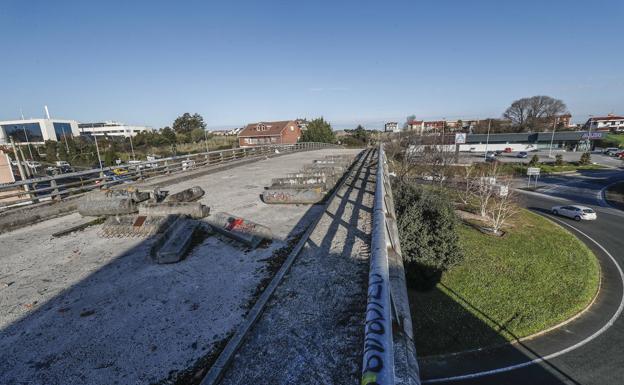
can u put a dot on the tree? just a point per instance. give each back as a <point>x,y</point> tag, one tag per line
<point>502,206</point>
<point>534,160</point>
<point>168,134</point>
<point>585,159</point>
<point>197,135</point>
<point>559,160</point>
<point>427,227</point>
<point>186,123</point>
<point>528,113</point>
<point>319,131</point>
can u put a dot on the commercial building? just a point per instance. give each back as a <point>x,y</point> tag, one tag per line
<point>263,133</point>
<point>392,127</point>
<point>37,131</point>
<point>610,122</point>
<point>528,141</point>
<point>111,128</point>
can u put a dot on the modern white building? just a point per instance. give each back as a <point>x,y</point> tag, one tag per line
<point>110,128</point>
<point>610,122</point>
<point>37,130</point>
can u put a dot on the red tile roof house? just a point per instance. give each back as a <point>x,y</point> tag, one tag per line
<point>264,133</point>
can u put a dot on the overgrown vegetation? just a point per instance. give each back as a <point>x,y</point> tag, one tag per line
<point>427,228</point>
<point>319,131</point>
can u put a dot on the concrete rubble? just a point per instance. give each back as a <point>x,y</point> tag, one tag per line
<point>311,184</point>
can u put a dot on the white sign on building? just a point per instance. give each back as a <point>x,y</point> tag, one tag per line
<point>460,138</point>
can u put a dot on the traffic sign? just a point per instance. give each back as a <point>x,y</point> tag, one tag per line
<point>533,171</point>
<point>460,138</point>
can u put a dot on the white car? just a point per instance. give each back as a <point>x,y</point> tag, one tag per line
<point>575,212</point>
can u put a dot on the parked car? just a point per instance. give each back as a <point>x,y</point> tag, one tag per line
<point>61,163</point>
<point>120,171</point>
<point>32,164</point>
<point>522,154</point>
<point>575,212</point>
<point>508,150</point>
<point>113,179</point>
<point>610,151</point>
<point>188,163</point>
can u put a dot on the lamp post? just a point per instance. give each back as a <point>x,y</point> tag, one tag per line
<point>588,149</point>
<point>97,149</point>
<point>487,140</point>
<point>27,142</point>
<point>552,137</point>
<point>206,139</point>
<point>132,147</point>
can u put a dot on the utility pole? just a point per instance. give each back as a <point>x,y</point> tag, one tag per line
<point>487,140</point>
<point>552,137</point>
<point>206,139</point>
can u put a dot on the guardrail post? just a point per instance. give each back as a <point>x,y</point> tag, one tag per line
<point>55,192</point>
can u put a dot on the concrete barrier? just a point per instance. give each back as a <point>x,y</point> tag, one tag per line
<point>192,209</point>
<point>239,229</point>
<point>176,241</point>
<point>286,195</point>
<point>188,195</point>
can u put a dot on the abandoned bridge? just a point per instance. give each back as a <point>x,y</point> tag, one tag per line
<point>317,296</point>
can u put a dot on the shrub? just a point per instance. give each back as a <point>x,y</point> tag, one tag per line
<point>428,231</point>
<point>559,160</point>
<point>534,160</point>
<point>585,159</point>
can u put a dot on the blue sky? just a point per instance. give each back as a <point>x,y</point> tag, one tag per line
<point>234,62</point>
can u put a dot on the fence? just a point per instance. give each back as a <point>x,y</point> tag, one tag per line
<point>389,353</point>
<point>61,186</point>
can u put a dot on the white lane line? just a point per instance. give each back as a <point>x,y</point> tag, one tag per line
<point>552,355</point>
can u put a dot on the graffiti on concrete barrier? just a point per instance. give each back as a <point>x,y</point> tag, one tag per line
<point>375,331</point>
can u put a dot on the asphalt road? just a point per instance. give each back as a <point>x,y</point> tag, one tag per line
<point>588,350</point>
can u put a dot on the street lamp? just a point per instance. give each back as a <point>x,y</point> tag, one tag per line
<point>97,148</point>
<point>588,149</point>
<point>132,147</point>
<point>552,137</point>
<point>487,140</point>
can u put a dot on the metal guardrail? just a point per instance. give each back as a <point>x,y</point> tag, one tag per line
<point>389,353</point>
<point>61,186</point>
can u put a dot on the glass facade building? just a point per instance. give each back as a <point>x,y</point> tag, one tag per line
<point>24,132</point>
<point>62,130</point>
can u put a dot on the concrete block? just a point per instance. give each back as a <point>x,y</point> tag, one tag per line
<point>286,195</point>
<point>300,181</point>
<point>189,195</point>
<point>106,206</point>
<point>177,241</point>
<point>239,229</point>
<point>192,209</point>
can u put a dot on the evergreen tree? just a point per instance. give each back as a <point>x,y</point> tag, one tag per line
<point>319,131</point>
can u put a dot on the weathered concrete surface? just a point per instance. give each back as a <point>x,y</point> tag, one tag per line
<point>312,329</point>
<point>90,310</point>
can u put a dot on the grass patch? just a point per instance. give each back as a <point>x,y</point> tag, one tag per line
<point>546,168</point>
<point>534,277</point>
<point>613,140</point>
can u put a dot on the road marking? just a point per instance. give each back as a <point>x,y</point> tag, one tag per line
<point>552,355</point>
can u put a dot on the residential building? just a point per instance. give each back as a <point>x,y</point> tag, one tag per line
<point>37,131</point>
<point>605,123</point>
<point>392,127</point>
<point>264,133</point>
<point>111,128</point>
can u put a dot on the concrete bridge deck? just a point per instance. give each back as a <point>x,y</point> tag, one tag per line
<point>91,310</point>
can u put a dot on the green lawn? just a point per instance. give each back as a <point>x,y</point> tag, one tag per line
<point>547,168</point>
<point>614,140</point>
<point>508,287</point>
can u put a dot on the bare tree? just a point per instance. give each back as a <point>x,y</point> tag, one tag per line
<point>527,112</point>
<point>467,184</point>
<point>501,207</point>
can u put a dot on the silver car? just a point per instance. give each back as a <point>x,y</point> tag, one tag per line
<point>575,212</point>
